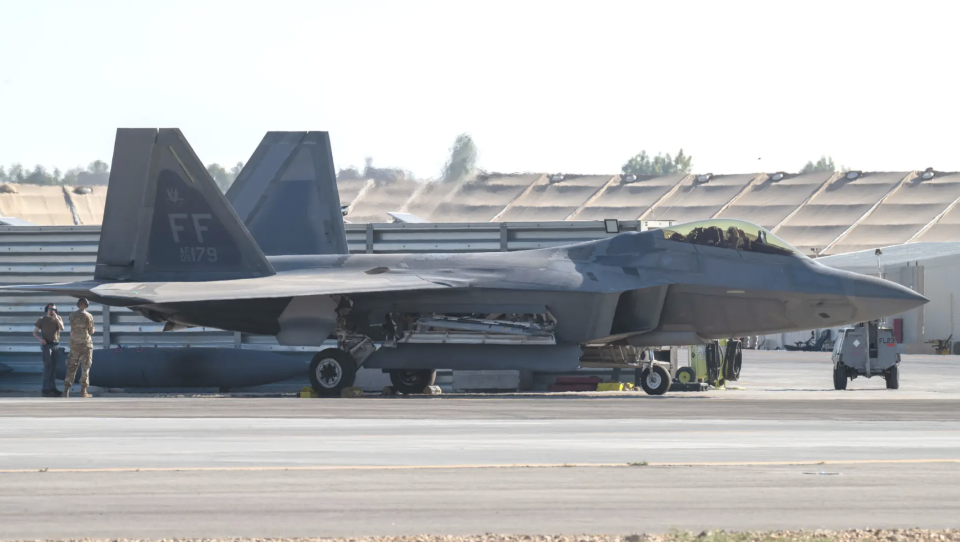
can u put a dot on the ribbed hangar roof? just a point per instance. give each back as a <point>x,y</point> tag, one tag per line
<point>379,197</point>
<point>699,198</point>
<point>426,199</point>
<point>350,188</point>
<point>627,198</point>
<point>554,195</point>
<point>829,212</point>
<point>771,200</point>
<point>905,212</point>
<point>820,222</point>
<point>945,226</point>
<point>482,199</point>
<point>53,205</point>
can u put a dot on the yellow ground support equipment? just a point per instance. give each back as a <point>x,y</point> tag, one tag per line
<point>715,363</point>
<point>615,386</point>
<point>942,347</point>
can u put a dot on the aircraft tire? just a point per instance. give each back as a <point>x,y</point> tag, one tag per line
<point>412,382</point>
<point>331,371</point>
<point>655,380</point>
<point>686,375</point>
<point>839,377</point>
<point>893,378</point>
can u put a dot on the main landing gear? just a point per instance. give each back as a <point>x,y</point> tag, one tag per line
<point>412,381</point>
<point>331,371</point>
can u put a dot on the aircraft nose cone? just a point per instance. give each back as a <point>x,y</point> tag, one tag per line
<point>910,296</point>
<point>876,298</point>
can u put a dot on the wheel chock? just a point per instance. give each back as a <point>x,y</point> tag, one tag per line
<point>354,391</point>
<point>432,390</point>
<point>388,391</point>
<point>308,393</point>
<point>615,386</point>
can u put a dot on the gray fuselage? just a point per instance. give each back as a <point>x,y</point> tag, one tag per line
<point>634,287</point>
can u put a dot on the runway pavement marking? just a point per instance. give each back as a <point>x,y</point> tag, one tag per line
<point>487,466</point>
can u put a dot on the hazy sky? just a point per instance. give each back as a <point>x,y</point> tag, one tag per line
<point>576,87</point>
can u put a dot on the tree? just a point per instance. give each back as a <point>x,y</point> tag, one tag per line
<point>642,164</point>
<point>349,174</point>
<point>220,176</point>
<point>235,171</point>
<point>824,164</point>
<point>92,178</point>
<point>463,159</point>
<point>39,176</point>
<point>71,177</point>
<point>16,174</point>
<point>97,173</point>
<point>384,174</point>
<point>98,167</point>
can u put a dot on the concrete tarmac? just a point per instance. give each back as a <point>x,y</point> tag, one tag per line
<point>572,500</point>
<point>784,452</point>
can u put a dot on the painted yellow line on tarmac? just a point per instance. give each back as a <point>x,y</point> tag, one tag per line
<point>486,466</point>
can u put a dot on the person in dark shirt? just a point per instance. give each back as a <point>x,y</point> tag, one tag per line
<point>47,331</point>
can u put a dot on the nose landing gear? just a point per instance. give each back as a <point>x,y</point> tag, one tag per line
<point>655,380</point>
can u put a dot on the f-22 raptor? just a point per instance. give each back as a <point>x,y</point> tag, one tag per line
<point>174,249</point>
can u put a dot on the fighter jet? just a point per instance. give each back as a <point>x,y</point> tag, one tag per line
<point>173,249</point>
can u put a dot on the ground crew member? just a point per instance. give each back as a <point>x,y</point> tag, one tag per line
<point>81,349</point>
<point>47,331</point>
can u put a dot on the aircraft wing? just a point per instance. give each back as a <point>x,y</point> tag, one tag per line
<point>330,282</point>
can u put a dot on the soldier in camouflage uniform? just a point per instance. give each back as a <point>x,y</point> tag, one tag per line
<point>81,349</point>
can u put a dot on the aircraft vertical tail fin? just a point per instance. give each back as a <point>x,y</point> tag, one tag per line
<point>166,219</point>
<point>287,195</point>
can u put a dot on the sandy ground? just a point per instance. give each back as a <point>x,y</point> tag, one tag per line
<point>907,535</point>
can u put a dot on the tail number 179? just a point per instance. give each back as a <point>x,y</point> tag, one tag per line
<point>198,254</point>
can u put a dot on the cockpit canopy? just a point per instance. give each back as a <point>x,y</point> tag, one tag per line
<point>733,234</point>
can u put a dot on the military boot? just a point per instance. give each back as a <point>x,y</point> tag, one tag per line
<point>83,392</point>
<point>66,391</point>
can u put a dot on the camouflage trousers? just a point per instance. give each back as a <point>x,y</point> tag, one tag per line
<point>80,356</point>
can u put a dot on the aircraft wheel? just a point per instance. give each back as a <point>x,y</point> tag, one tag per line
<point>655,380</point>
<point>893,378</point>
<point>685,375</point>
<point>839,377</point>
<point>411,382</point>
<point>331,371</point>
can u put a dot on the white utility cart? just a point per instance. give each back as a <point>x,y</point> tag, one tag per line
<point>866,349</point>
